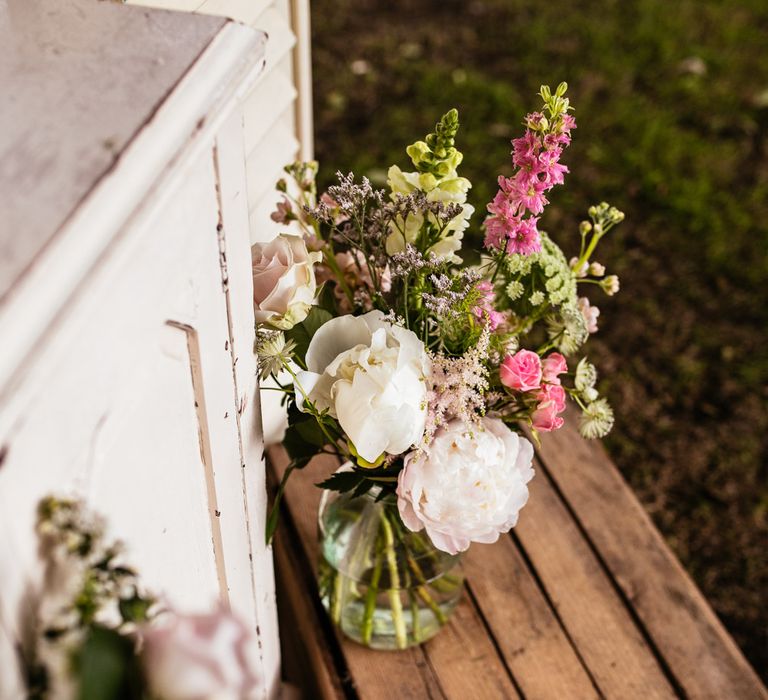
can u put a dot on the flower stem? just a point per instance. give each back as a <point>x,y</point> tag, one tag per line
<point>370,599</point>
<point>415,619</point>
<point>421,590</point>
<point>336,597</point>
<point>394,585</point>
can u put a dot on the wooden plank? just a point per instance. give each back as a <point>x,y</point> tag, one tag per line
<point>537,650</point>
<point>601,627</point>
<point>431,670</point>
<point>235,260</point>
<point>465,659</point>
<point>701,655</point>
<point>307,659</point>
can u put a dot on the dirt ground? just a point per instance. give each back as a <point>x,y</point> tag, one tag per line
<point>672,106</point>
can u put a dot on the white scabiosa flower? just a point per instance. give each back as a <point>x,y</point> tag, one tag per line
<point>467,486</point>
<point>596,420</point>
<point>370,375</point>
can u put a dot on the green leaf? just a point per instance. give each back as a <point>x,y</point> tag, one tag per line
<point>274,513</point>
<point>342,481</point>
<point>363,487</point>
<point>303,332</point>
<point>311,432</point>
<point>107,667</point>
<point>299,449</point>
<point>135,608</point>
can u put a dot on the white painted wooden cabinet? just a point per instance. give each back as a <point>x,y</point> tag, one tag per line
<point>278,110</point>
<point>134,157</point>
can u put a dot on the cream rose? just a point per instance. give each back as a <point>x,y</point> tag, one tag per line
<point>466,486</point>
<point>284,285</point>
<point>199,657</point>
<point>450,189</point>
<point>370,375</point>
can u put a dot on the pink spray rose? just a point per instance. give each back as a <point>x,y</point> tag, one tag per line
<point>551,400</point>
<point>521,371</point>
<point>552,366</point>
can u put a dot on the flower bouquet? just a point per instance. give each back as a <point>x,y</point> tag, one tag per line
<point>423,375</point>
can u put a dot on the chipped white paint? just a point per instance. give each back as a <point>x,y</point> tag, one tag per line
<point>278,111</point>
<point>126,372</point>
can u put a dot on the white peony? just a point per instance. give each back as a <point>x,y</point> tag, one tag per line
<point>370,375</point>
<point>466,486</point>
<point>450,189</point>
<point>284,284</point>
<point>199,657</point>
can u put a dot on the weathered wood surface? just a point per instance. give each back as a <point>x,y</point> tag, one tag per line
<point>582,600</point>
<point>80,79</point>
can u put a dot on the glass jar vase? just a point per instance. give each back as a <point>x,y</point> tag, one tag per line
<point>383,585</point>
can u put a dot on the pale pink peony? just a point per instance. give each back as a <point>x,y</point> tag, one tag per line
<point>521,371</point>
<point>467,486</point>
<point>551,400</point>
<point>553,366</point>
<point>199,657</point>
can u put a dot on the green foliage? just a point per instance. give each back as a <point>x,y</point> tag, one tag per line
<point>302,332</point>
<point>107,666</point>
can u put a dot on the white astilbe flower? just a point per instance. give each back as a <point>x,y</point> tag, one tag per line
<point>457,386</point>
<point>596,420</point>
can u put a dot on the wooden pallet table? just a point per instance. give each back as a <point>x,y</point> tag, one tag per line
<point>582,600</point>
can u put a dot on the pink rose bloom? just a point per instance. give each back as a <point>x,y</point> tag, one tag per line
<point>521,371</point>
<point>551,402</point>
<point>199,657</point>
<point>553,366</point>
<point>590,314</point>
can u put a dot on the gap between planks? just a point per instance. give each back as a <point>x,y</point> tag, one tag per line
<point>700,657</point>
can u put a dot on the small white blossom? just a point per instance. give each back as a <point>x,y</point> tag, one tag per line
<point>596,420</point>
<point>610,285</point>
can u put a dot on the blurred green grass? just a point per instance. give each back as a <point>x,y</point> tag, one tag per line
<point>672,105</point>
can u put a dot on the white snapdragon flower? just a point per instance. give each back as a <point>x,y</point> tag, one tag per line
<point>370,375</point>
<point>467,486</point>
<point>284,284</point>
<point>450,189</point>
